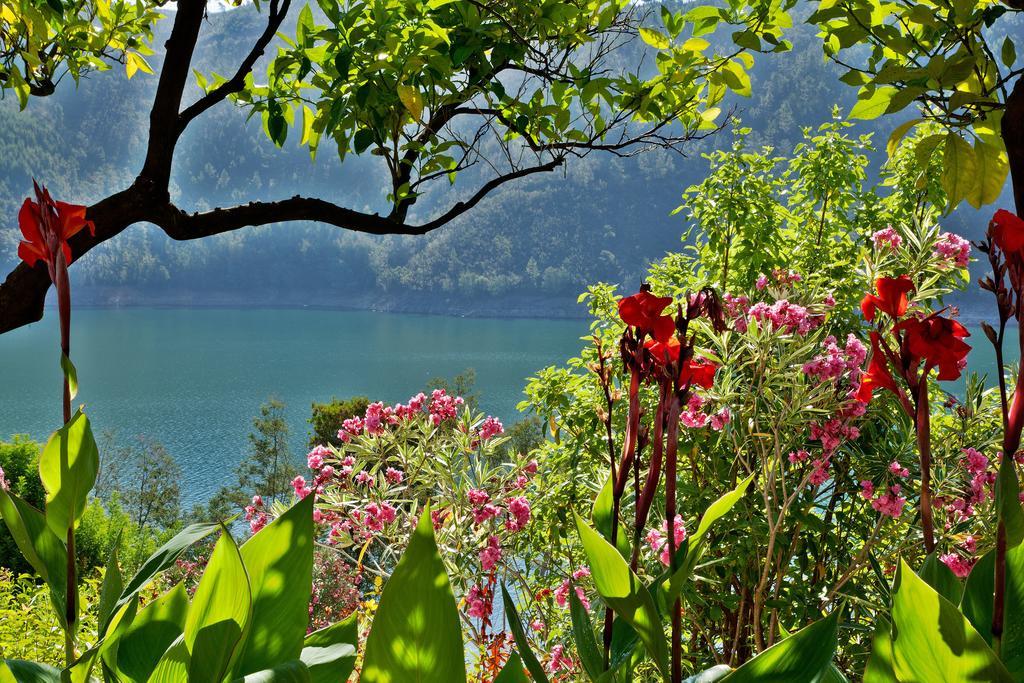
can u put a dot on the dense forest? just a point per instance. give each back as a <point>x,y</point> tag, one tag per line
<point>528,249</point>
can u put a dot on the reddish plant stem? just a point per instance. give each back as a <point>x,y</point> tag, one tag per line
<point>63,287</point>
<point>924,451</point>
<point>671,458</point>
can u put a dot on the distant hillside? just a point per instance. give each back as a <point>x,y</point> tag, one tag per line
<point>527,250</point>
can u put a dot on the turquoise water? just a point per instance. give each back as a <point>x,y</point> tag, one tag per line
<point>193,379</point>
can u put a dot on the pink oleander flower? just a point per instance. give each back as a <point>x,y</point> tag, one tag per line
<point>953,249</point>
<point>490,555</point>
<point>960,566</point>
<point>364,478</point>
<point>899,470</point>
<point>491,427</point>
<point>561,593</point>
<point>888,237</point>
<point>519,512</point>
<point>762,282</point>
<point>720,419</point>
<point>478,496</point>
<point>438,517</point>
<point>300,488</point>
<point>351,427</point>
<point>658,539</point>
<point>3,481</point>
<point>785,316</point>
<point>798,456</point>
<point>315,458</point>
<point>820,470</point>
<point>531,467</point>
<point>890,503</point>
<point>537,626</point>
<point>478,602</point>
<point>867,489</point>
<point>970,544</point>
<point>484,513</point>
<point>394,476</point>
<point>559,660</point>
<point>443,406</point>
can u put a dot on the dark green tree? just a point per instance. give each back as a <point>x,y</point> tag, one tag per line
<point>326,418</point>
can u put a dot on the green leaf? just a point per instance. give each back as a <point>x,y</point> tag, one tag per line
<point>67,467</point>
<point>70,374</point>
<point>978,599</point>
<point>623,591</point>
<point>173,667</point>
<point>601,514</point>
<point>111,588</point>
<point>40,546</point>
<point>362,140</point>
<point>655,38</point>
<point>141,644</point>
<point>416,634</point>
<point>992,170</point>
<point>872,102</point>
<point>1008,53</point>
<point>696,544</point>
<point>339,666</point>
<point>512,672</point>
<point>712,675</point>
<point>583,634</point>
<point>165,556</point>
<point>933,641</point>
<point>899,134</point>
<point>515,625</point>
<point>220,613</point>
<point>279,562</point>
<point>959,169</point>
<point>880,665</point>
<point>937,575</point>
<point>287,672</point>
<point>20,671</point>
<point>804,656</point>
<point>1008,502</point>
<point>412,100</point>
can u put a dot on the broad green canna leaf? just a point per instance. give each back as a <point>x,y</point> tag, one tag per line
<point>978,599</point>
<point>804,656</point>
<point>165,556</point>
<point>40,546</point>
<point>583,635</point>
<point>940,577</point>
<point>879,668</point>
<point>220,614</point>
<point>330,653</point>
<point>512,672</point>
<point>173,666</point>
<point>416,635</point>
<point>19,671</point>
<point>623,591</point>
<point>288,672</point>
<point>157,626</point>
<point>279,562</point>
<point>933,641</point>
<point>601,515</point>
<point>67,467</point>
<point>113,584</point>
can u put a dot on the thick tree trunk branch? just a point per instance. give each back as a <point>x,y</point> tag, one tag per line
<point>1013,138</point>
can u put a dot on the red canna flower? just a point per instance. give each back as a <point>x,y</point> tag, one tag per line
<point>877,374</point>
<point>891,297</point>
<point>939,342</point>
<point>47,226</point>
<point>643,311</point>
<point>1007,232</point>
<point>664,352</point>
<point>699,372</point>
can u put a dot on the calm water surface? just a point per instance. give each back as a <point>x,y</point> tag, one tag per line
<point>193,379</point>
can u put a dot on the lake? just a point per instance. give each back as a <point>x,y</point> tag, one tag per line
<point>193,379</point>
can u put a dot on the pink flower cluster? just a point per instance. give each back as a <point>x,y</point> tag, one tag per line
<point>887,237</point>
<point>785,316</point>
<point>256,515</point>
<point>479,602</point>
<point>693,417</point>
<point>517,510</point>
<point>835,360</point>
<point>3,481</point>
<point>959,565</point>
<point>562,592</point>
<point>491,554</point>
<point>658,539</point>
<point>443,406</point>
<point>982,479</point>
<point>559,660</point>
<point>889,503</point>
<point>782,278</point>
<point>831,434</point>
<point>378,417</point>
<point>491,427</point>
<point>953,249</point>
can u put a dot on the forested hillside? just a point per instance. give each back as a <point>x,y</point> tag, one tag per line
<point>530,248</point>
